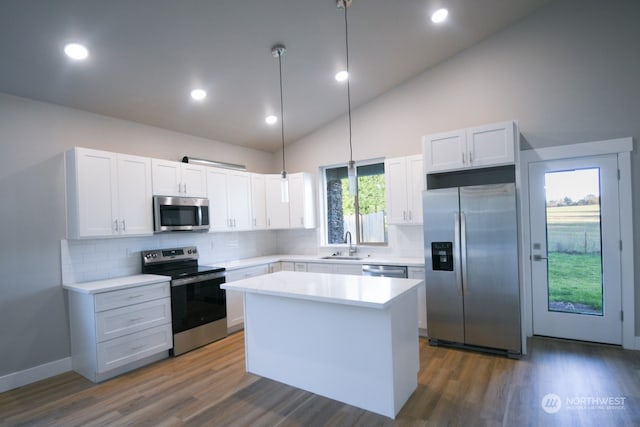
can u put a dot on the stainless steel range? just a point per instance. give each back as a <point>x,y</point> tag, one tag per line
<point>198,304</point>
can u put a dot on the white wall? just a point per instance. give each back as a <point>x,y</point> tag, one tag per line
<point>568,73</point>
<point>33,136</point>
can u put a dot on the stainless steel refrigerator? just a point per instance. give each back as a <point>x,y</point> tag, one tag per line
<point>471,267</point>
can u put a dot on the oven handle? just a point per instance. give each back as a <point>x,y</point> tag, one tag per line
<point>196,279</point>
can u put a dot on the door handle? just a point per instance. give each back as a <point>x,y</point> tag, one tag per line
<point>463,251</point>
<point>456,252</point>
<point>539,257</point>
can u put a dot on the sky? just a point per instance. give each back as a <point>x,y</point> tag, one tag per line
<point>574,184</point>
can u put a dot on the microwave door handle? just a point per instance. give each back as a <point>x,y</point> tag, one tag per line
<point>199,215</point>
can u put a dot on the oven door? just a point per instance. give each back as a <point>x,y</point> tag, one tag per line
<point>197,301</point>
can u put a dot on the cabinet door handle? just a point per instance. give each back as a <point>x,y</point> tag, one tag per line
<point>410,216</point>
<point>301,220</point>
<point>470,158</point>
<point>463,162</point>
<point>115,225</point>
<point>124,226</point>
<point>185,188</point>
<point>135,296</point>
<point>404,215</point>
<point>136,319</point>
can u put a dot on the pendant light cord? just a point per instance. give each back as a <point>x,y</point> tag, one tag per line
<point>281,112</point>
<point>346,42</point>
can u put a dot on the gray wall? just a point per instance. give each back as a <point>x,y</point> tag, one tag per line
<point>33,136</point>
<point>568,73</point>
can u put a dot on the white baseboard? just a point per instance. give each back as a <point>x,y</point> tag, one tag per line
<point>37,373</point>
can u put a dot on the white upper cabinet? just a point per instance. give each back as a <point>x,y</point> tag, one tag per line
<point>404,185</point>
<point>300,211</point>
<point>482,146</point>
<point>229,194</point>
<point>239,198</point>
<point>108,194</point>
<point>277,211</point>
<point>301,201</point>
<point>444,151</point>
<point>178,179</point>
<point>258,202</point>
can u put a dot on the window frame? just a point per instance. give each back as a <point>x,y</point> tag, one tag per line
<point>325,214</point>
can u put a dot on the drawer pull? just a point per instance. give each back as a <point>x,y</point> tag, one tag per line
<point>136,319</point>
<point>138,347</point>
<point>135,296</point>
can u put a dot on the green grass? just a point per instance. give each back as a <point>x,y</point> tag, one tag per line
<point>575,278</point>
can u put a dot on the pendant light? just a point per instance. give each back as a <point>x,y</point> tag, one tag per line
<point>351,165</point>
<point>277,51</point>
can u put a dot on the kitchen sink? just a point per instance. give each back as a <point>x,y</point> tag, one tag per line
<point>354,258</point>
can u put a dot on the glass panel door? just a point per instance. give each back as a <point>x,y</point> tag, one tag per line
<point>575,252</point>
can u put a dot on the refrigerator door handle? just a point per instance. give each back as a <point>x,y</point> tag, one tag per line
<point>463,250</point>
<point>456,252</point>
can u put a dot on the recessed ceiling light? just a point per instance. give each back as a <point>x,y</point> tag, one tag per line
<point>198,94</point>
<point>342,76</point>
<point>439,16</point>
<point>76,51</point>
<point>271,120</point>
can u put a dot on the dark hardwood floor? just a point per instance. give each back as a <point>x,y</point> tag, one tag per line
<point>595,385</point>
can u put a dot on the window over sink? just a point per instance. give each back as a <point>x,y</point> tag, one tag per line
<point>364,215</point>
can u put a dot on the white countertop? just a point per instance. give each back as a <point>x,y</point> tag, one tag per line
<point>117,283</point>
<point>367,291</point>
<point>377,260</point>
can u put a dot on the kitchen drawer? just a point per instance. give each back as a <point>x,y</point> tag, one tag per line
<point>133,318</point>
<point>130,296</point>
<point>129,348</point>
<point>247,272</point>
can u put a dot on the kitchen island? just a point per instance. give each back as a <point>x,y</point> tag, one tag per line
<point>350,338</point>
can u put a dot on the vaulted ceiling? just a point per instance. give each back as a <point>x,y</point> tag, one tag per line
<point>147,55</point>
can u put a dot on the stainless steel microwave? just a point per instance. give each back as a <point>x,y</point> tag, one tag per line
<point>180,214</point>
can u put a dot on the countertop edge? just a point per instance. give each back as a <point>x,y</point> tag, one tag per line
<point>318,298</point>
<point>116,283</point>
<point>256,261</point>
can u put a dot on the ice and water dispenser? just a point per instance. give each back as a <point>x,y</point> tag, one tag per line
<point>442,256</point>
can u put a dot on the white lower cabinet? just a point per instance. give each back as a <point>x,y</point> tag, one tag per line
<point>287,266</point>
<point>331,268</point>
<point>317,267</point>
<point>113,332</point>
<point>235,303</point>
<point>418,273</point>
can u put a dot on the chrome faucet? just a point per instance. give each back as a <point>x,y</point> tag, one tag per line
<point>352,249</point>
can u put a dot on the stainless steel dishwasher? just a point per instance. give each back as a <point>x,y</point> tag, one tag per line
<point>397,271</point>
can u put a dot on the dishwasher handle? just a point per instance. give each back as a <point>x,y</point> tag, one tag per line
<point>384,270</point>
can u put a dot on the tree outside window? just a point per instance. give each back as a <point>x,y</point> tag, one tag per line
<point>364,216</point>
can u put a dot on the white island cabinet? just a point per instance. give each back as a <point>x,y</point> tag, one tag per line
<point>349,338</point>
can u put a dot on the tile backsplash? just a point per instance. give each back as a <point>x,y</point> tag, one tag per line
<point>97,259</point>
